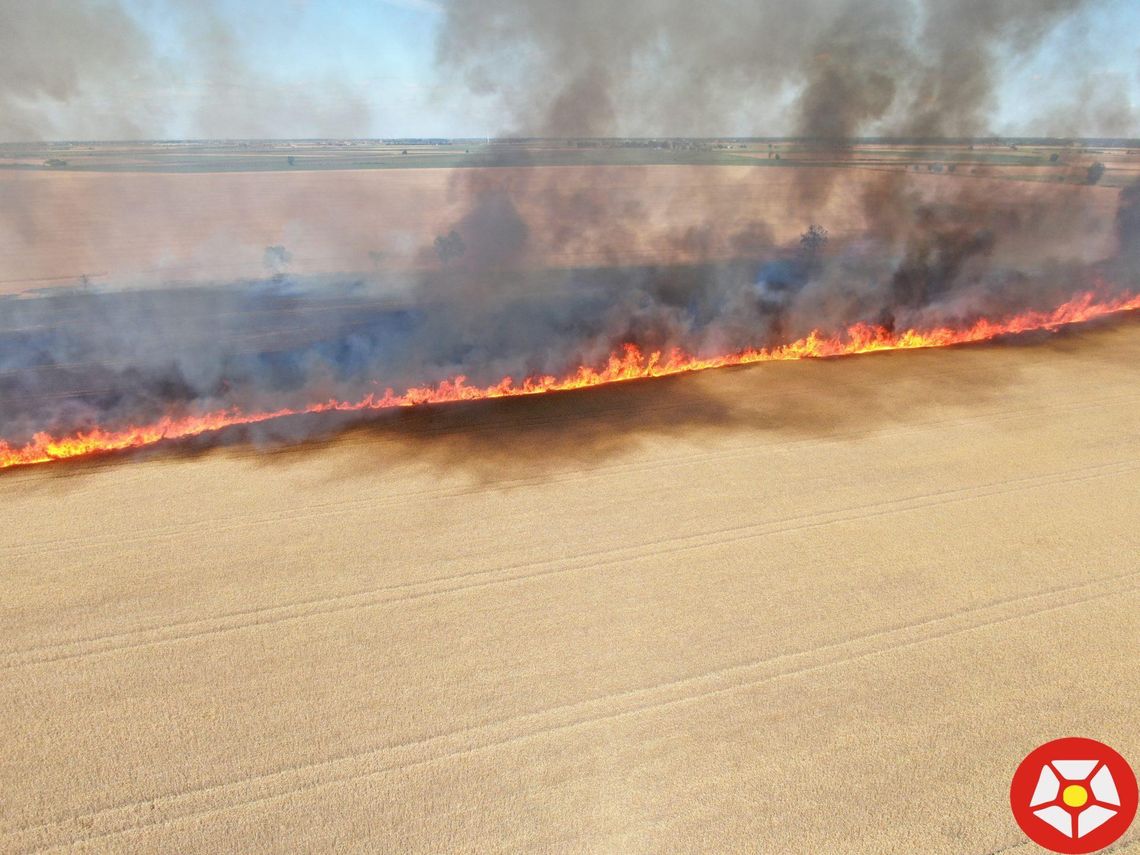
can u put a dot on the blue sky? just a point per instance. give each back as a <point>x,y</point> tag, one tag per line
<point>379,53</point>
<point>367,68</point>
<point>1107,35</point>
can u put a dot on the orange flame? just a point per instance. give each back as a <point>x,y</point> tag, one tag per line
<point>629,364</point>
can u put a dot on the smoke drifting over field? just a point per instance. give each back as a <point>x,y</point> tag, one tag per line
<point>841,67</point>
<point>72,361</point>
<point>110,69</point>
<point>88,69</point>
<point>479,306</point>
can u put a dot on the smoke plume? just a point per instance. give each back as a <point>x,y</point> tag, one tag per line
<point>843,68</point>
<point>87,69</point>
<point>536,273</point>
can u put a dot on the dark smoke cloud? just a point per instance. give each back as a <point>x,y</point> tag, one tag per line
<point>850,67</point>
<point>73,360</point>
<point>492,304</point>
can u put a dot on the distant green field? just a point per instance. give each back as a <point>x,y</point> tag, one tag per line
<point>437,157</point>
<point>997,158</point>
<point>266,157</point>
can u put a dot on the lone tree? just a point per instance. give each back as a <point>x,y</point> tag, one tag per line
<point>449,246</point>
<point>813,240</point>
<point>812,243</point>
<point>1095,172</point>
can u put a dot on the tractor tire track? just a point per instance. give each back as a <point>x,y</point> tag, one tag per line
<point>289,781</point>
<point>591,561</point>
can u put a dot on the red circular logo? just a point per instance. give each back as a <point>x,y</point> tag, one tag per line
<point>1073,795</point>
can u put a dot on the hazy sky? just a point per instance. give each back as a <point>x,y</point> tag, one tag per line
<point>317,68</point>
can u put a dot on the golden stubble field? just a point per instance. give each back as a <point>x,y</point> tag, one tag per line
<point>124,229</point>
<point>809,607</point>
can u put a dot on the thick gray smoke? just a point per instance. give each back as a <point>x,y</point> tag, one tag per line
<point>72,360</point>
<point>534,276</point>
<point>841,69</point>
<point>648,67</point>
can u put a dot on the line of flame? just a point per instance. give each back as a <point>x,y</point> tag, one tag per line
<point>628,364</point>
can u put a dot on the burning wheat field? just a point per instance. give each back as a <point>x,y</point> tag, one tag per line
<point>719,434</point>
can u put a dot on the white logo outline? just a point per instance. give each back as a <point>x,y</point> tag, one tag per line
<point>1076,797</point>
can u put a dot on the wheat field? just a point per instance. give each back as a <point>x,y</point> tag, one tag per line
<point>810,607</point>
<point>139,229</point>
